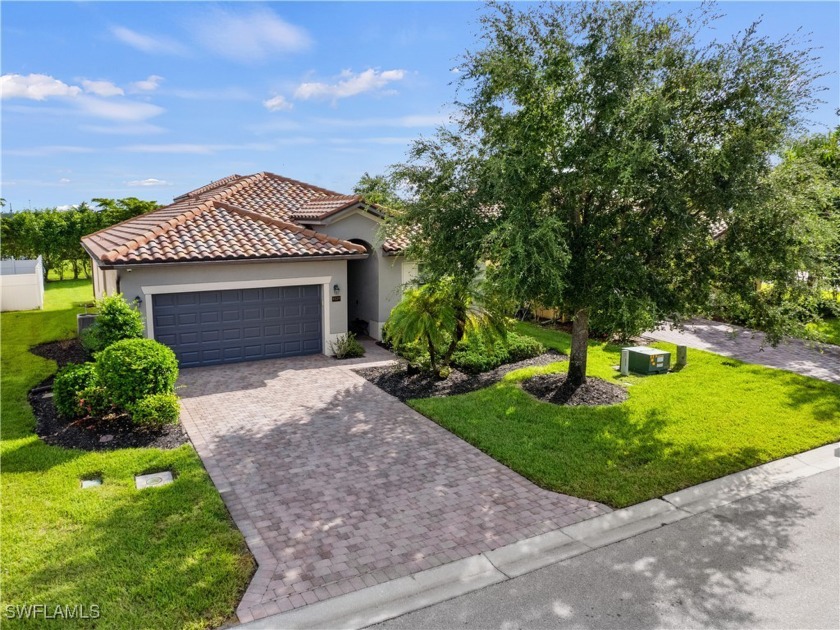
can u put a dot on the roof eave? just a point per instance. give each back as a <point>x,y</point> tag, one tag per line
<point>229,261</point>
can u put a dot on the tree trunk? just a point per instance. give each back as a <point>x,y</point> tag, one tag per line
<point>432,357</point>
<point>580,337</point>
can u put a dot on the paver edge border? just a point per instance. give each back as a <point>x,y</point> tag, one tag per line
<point>375,604</point>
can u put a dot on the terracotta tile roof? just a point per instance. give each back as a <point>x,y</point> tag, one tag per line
<point>320,207</point>
<point>235,218</point>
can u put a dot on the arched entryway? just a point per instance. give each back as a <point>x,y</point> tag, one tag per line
<point>362,290</point>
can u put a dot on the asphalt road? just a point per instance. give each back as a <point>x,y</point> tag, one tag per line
<point>767,561</point>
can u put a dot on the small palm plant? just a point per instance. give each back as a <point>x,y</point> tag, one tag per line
<point>438,315</point>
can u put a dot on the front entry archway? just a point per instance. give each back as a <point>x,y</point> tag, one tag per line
<point>362,290</point>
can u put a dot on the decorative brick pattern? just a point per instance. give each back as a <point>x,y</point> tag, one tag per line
<point>338,486</point>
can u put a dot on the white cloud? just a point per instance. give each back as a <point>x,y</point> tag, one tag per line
<point>66,207</point>
<point>63,180</point>
<point>277,103</point>
<point>349,84</point>
<point>151,181</point>
<point>248,37</point>
<point>47,150</point>
<point>194,149</point>
<point>214,94</point>
<point>148,43</point>
<point>149,84</point>
<point>412,120</point>
<point>99,102</point>
<point>102,88</point>
<point>125,129</point>
<point>126,111</point>
<point>36,87</point>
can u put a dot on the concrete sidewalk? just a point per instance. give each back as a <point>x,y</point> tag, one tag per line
<point>412,593</point>
<point>820,361</point>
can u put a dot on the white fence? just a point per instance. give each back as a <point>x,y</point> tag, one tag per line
<point>21,285</point>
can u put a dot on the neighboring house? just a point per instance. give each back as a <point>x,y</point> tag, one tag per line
<point>253,267</point>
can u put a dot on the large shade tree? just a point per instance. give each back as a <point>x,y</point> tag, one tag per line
<point>599,151</point>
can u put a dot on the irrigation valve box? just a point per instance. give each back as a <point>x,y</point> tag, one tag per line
<point>644,360</point>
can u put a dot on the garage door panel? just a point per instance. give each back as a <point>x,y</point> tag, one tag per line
<point>213,327</point>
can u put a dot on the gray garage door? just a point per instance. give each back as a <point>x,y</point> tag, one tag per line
<point>211,327</point>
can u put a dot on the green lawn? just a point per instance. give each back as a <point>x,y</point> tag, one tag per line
<point>166,557</point>
<point>714,417</point>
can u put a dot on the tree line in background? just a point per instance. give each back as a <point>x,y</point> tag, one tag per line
<point>56,235</point>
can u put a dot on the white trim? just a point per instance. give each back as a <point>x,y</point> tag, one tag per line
<point>324,281</point>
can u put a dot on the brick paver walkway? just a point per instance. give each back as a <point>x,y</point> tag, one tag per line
<point>338,486</point>
<point>816,360</point>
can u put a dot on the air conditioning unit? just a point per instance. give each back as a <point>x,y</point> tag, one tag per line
<point>646,360</point>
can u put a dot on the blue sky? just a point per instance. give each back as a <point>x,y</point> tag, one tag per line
<point>154,99</point>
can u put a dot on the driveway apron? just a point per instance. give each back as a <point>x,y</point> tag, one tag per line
<point>338,486</point>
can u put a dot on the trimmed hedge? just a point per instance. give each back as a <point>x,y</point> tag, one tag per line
<point>156,410</point>
<point>69,381</point>
<point>474,355</point>
<point>116,320</point>
<point>135,368</point>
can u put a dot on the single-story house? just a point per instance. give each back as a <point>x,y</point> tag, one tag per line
<point>253,267</point>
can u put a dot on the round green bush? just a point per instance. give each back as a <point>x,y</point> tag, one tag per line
<point>156,410</point>
<point>116,320</point>
<point>68,383</point>
<point>135,368</point>
<point>94,401</point>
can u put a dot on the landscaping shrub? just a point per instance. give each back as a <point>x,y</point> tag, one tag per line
<point>117,320</point>
<point>156,410</point>
<point>68,383</point>
<point>347,347</point>
<point>94,400</point>
<point>474,355</point>
<point>135,368</point>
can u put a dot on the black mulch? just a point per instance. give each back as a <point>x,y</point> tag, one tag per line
<point>62,352</point>
<point>90,434</point>
<point>395,380</point>
<point>553,388</point>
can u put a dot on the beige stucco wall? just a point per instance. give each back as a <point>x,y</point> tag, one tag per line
<point>143,282</point>
<point>384,287</point>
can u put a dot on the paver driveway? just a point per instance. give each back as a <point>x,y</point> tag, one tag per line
<point>338,486</point>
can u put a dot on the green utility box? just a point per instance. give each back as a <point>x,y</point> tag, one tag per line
<point>644,360</point>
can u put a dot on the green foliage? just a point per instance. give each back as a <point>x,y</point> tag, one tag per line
<point>379,190</point>
<point>475,355</point>
<point>56,234</point>
<point>347,347</point>
<point>598,148</point>
<point>69,382</point>
<point>117,320</point>
<point>94,401</point>
<point>132,369</point>
<point>156,410</point>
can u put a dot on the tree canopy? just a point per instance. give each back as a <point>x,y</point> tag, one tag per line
<point>55,235</point>
<point>600,149</point>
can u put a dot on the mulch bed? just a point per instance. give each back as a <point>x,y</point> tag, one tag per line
<point>62,352</point>
<point>553,388</point>
<point>90,434</point>
<point>396,380</point>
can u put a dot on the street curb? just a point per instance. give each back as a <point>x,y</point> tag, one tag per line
<point>384,601</point>
<point>375,604</point>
